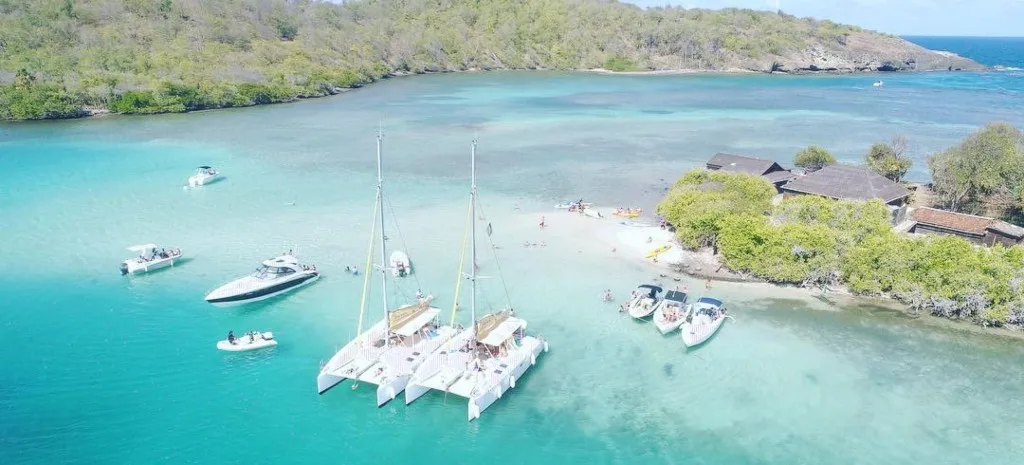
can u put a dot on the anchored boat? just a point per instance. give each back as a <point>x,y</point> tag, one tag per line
<point>645,300</point>
<point>250,341</point>
<point>388,353</point>
<point>149,259</point>
<point>707,315</point>
<point>274,277</point>
<point>483,362</point>
<point>204,175</point>
<point>672,311</point>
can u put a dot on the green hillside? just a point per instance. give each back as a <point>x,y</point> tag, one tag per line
<point>64,58</point>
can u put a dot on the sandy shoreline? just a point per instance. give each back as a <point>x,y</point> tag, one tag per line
<point>630,243</point>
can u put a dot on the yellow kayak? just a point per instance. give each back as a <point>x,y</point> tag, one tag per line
<point>627,213</point>
<point>658,251</point>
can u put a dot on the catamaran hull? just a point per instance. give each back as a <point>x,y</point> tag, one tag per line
<point>414,391</point>
<point>324,382</point>
<point>388,390</point>
<point>531,346</point>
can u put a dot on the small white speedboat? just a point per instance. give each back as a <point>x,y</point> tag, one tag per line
<point>707,315</point>
<point>672,311</point>
<point>400,264</point>
<point>275,276</point>
<point>249,341</point>
<point>204,175</point>
<point>571,205</point>
<point>150,258</point>
<point>644,301</point>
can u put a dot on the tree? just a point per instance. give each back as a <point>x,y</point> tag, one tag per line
<point>984,172</point>
<point>813,158</point>
<point>890,159</point>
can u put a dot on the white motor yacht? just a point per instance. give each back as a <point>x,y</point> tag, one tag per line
<point>644,301</point>
<point>707,315</point>
<point>672,311</point>
<point>275,276</point>
<point>250,341</point>
<point>204,175</point>
<point>150,258</point>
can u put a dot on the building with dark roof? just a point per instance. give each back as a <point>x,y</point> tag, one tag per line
<point>977,229</point>
<point>770,170</point>
<point>845,182</point>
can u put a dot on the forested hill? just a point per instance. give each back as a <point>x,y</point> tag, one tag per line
<point>59,57</point>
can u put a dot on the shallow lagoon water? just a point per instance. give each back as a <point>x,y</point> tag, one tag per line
<point>102,369</point>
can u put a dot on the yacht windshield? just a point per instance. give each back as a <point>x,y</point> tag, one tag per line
<point>271,272</point>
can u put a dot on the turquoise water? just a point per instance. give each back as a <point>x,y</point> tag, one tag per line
<point>98,368</point>
<point>991,51</point>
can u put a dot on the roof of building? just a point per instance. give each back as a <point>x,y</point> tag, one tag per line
<point>952,221</point>
<point>1007,229</point>
<point>776,177</point>
<point>849,183</point>
<point>741,164</point>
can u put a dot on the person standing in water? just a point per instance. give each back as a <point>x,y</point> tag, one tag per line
<point>542,225</point>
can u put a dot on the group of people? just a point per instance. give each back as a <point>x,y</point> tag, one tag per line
<point>577,206</point>
<point>606,296</point>
<point>252,335</point>
<point>352,269</point>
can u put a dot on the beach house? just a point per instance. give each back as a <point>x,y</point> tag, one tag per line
<point>846,182</point>
<point>977,229</point>
<point>770,170</point>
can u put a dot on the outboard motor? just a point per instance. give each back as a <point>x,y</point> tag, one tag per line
<point>124,268</point>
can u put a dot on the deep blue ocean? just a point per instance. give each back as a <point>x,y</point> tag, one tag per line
<point>991,51</point>
<point>98,368</point>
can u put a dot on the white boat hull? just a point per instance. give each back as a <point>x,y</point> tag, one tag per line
<point>525,357</point>
<point>700,329</point>
<point>400,264</point>
<point>197,180</point>
<point>352,360</point>
<point>314,276</point>
<point>137,266</point>
<point>243,344</point>
<point>592,213</point>
<point>642,308</point>
<point>442,368</point>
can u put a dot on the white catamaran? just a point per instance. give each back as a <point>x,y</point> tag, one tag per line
<point>388,352</point>
<point>484,361</point>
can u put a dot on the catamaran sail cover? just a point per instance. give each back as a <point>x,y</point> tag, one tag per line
<point>411,325</point>
<point>502,332</point>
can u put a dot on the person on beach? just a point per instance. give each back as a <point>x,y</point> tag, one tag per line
<point>542,225</point>
<point>707,284</point>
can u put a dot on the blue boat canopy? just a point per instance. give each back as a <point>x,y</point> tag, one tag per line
<point>652,287</point>
<point>204,167</point>
<point>676,296</point>
<point>711,301</point>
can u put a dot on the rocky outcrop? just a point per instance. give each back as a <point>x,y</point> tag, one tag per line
<point>860,52</point>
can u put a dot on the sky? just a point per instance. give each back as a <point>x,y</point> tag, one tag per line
<point>904,17</point>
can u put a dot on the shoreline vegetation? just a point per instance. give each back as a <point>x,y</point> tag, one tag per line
<point>76,58</point>
<point>735,227</point>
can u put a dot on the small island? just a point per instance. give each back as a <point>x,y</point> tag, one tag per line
<point>74,58</point>
<point>949,249</point>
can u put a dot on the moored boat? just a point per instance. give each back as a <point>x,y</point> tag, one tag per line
<point>274,277</point>
<point>644,301</point>
<point>204,175</point>
<point>672,311</point>
<point>249,341</point>
<point>149,259</point>
<point>400,264</point>
<point>706,316</point>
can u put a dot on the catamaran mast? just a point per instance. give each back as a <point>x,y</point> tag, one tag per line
<point>472,215</point>
<point>383,252</point>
